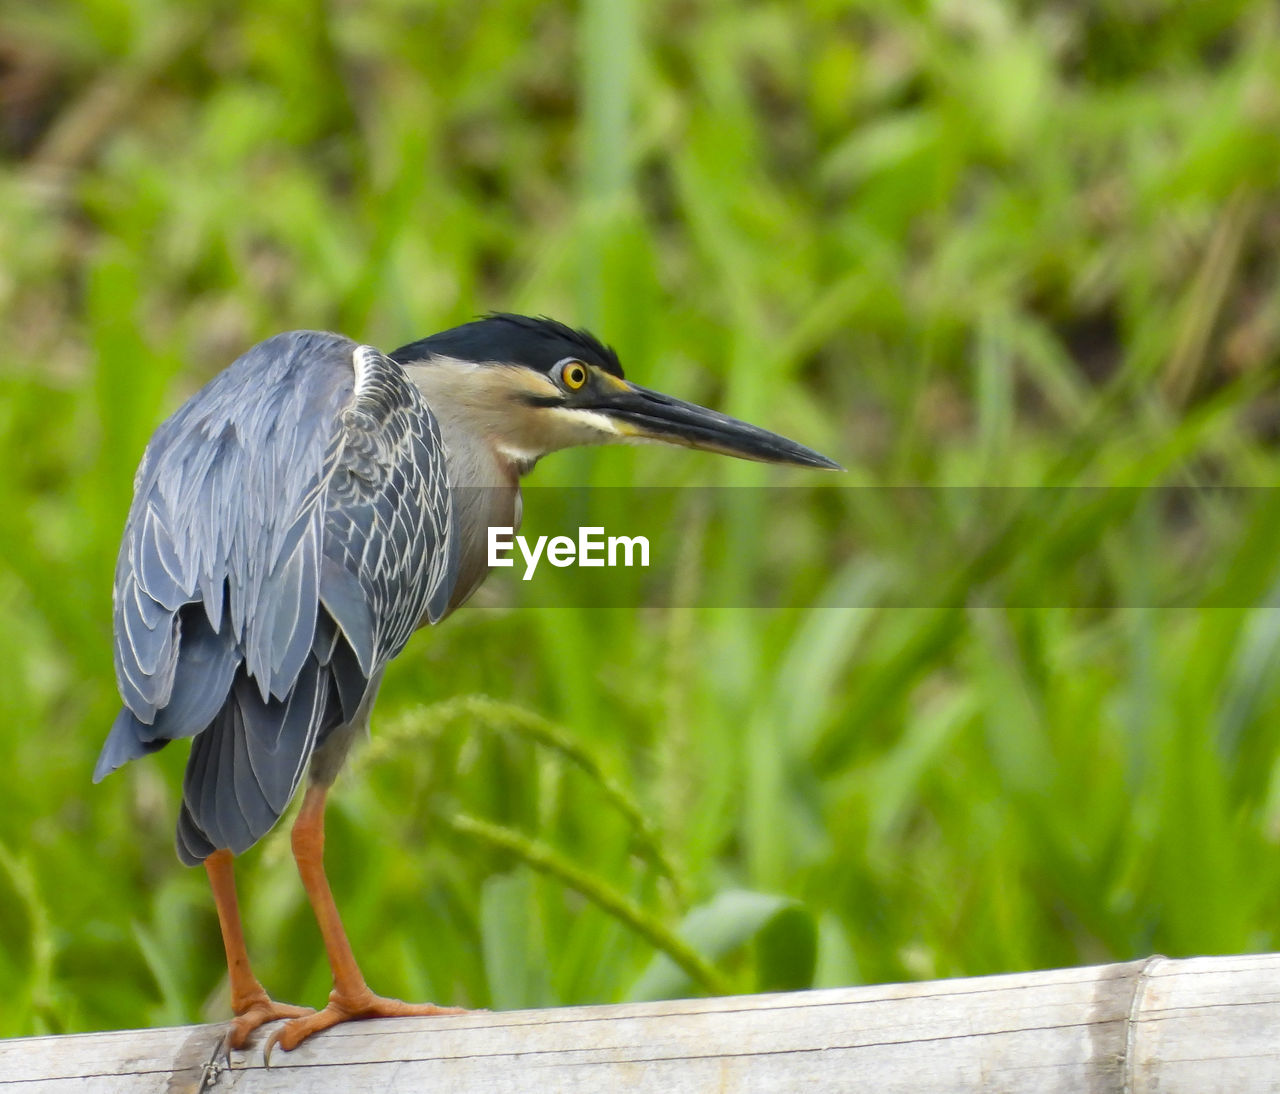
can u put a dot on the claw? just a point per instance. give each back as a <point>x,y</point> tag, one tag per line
<point>271,1043</point>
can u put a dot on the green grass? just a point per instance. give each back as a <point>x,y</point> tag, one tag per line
<point>900,723</point>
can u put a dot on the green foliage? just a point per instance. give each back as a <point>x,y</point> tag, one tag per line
<point>783,930</point>
<point>1007,705</point>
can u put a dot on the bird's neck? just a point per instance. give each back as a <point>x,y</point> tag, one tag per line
<point>484,478</point>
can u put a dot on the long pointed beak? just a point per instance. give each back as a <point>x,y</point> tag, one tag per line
<point>639,412</point>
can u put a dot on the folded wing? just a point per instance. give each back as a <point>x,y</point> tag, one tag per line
<point>291,526</point>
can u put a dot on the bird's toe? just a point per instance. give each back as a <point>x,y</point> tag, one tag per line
<point>259,1012</point>
<point>344,1008</point>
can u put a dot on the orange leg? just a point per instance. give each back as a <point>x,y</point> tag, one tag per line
<point>249,1000</point>
<point>351,997</point>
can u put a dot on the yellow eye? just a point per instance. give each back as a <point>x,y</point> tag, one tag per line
<point>574,375</point>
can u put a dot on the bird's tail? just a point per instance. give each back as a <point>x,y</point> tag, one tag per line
<point>245,767</point>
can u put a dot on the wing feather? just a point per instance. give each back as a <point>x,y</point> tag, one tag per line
<point>291,526</point>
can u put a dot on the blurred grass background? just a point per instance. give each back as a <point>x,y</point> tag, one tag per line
<point>951,244</point>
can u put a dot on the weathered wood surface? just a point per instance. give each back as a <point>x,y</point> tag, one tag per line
<point>1194,1026</point>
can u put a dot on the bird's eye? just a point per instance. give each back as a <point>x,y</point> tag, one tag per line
<point>574,375</point>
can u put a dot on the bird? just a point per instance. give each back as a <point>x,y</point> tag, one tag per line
<point>292,524</point>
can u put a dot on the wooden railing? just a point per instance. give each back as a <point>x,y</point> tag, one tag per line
<point>1192,1026</point>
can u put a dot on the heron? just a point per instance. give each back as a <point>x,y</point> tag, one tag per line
<point>292,524</point>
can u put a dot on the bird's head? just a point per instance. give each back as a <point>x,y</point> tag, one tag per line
<point>532,386</point>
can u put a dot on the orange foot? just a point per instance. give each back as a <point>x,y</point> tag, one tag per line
<point>255,1011</point>
<point>347,1008</point>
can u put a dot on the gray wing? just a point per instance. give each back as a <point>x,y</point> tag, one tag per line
<point>291,526</point>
